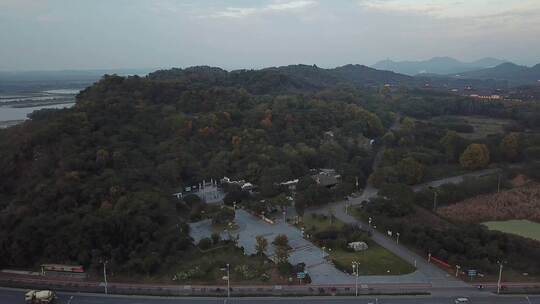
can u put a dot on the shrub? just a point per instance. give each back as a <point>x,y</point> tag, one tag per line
<point>205,243</point>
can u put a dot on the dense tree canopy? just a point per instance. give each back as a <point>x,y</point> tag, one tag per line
<point>95,181</point>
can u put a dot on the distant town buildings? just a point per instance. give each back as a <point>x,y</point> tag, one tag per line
<point>486,97</point>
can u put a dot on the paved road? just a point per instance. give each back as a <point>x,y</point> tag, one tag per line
<point>16,296</point>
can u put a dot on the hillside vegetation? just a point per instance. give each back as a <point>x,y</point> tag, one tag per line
<point>95,181</point>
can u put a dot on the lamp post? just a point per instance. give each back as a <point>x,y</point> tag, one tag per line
<point>323,253</point>
<point>397,238</point>
<point>457,270</point>
<point>434,200</point>
<point>369,222</point>
<point>500,276</point>
<point>228,280</point>
<point>356,270</point>
<point>434,189</point>
<point>105,262</point>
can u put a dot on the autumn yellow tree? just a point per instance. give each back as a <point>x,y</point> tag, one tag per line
<point>475,157</point>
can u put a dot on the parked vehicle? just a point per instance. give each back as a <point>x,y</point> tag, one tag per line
<point>461,300</point>
<point>40,297</point>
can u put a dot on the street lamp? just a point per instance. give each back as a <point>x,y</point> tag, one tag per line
<point>434,197</point>
<point>228,280</point>
<point>356,270</point>
<point>105,262</point>
<point>500,276</point>
<point>457,270</point>
<point>369,222</point>
<point>397,239</point>
<point>323,248</point>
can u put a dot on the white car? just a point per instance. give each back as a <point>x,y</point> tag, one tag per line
<point>461,300</point>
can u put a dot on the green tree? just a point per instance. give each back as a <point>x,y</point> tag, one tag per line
<point>475,157</point>
<point>224,216</point>
<point>510,146</point>
<point>407,125</point>
<point>281,248</point>
<point>261,246</point>
<point>453,145</point>
<point>410,170</point>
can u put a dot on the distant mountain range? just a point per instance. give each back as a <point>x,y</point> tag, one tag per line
<point>436,65</point>
<point>514,74</point>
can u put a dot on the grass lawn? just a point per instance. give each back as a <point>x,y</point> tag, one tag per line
<point>483,126</point>
<point>522,228</point>
<point>376,260</point>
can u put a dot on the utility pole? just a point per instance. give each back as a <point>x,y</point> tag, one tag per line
<point>105,274</point>
<point>500,277</point>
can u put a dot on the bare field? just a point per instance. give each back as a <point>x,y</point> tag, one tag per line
<point>522,228</point>
<point>519,203</point>
<point>483,126</point>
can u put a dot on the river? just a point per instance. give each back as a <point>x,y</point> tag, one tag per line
<point>14,108</point>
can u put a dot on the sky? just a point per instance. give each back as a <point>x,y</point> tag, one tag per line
<point>233,34</point>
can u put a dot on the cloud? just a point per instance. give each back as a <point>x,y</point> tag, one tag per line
<point>275,7</point>
<point>443,9</point>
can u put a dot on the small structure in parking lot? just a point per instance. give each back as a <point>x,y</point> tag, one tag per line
<point>326,177</point>
<point>358,246</point>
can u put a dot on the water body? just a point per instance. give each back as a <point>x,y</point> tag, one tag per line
<point>16,107</point>
<point>63,91</point>
<point>10,114</point>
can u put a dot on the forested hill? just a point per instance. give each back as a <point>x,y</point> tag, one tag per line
<point>292,78</point>
<point>95,181</point>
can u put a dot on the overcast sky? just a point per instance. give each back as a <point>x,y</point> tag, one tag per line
<point>92,34</point>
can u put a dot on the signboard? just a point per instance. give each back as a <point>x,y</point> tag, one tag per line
<point>472,272</point>
<point>301,275</point>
